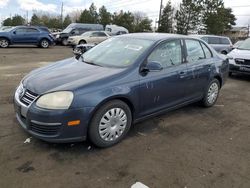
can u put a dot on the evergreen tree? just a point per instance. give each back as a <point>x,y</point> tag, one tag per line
<point>104,16</point>
<point>67,21</point>
<point>141,22</point>
<point>93,13</point>
<point>7,22</point>
<point>124,19</point>
<point>35,20</point>
<point>85,17</point>
<point>188,16</point>
<point>216,18</point>
<point>18,20</point>
<point>166,20</point>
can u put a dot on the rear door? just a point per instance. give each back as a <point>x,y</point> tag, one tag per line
<point>32,35</point>
<point>166,88</point>
<point>199,65</point>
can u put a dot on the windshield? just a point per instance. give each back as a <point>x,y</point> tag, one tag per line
<point>67,30</point>
<point>245,45</point>
<point>117,52</point>
<point>6,29</point>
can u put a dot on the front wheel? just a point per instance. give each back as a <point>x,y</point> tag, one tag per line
<point>110,124</point>
<point>4,43</point>
<point>212,93</point>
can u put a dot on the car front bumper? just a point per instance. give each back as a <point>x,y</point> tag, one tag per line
<point>242,69</point>
<point>52,125</point>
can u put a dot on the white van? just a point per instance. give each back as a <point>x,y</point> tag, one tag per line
<point>116,30</point>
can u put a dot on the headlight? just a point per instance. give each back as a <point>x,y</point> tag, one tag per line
<point>56,100</point>
<point>57,36</point>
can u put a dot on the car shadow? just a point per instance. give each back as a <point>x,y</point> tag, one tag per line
<point>240,77</point>
<point>142,128</point>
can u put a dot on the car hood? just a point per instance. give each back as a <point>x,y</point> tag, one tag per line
<point>68,74</point>
<point>240,54</point>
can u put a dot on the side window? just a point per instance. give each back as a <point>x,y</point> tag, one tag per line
<point>224,41</point>
<point>20,30</point>
<point>194,51</point>
<point>205,39</point>
<point>213,40</point>
<point>207,52</point>
<point>31,30</point>
<point>168,54</point>
<point>101,34</point>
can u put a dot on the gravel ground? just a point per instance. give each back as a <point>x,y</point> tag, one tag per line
<point>192,147</point>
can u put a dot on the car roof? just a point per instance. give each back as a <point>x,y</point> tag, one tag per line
<point>155,36</point>
<point>199,36</point>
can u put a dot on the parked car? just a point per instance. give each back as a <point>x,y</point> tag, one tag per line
<point>76,29</point>
<point>91,37</point>
<point>81,49</point>
<point>240,59</point>
<point>120,81</point>
<point>116,30</point>
<point>220,43</point>
<point>25,35</point>
<point>236,45</point>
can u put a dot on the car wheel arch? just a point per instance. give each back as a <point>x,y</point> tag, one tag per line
<point>219,79</point>
<point>124,99</point>
<point>82,40</point>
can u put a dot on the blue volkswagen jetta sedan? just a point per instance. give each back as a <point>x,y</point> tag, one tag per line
<point>121,81</point>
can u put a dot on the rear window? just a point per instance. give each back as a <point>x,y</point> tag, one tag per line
<point>213,40</point>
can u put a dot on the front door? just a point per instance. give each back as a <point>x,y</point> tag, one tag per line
<point>166,88</point>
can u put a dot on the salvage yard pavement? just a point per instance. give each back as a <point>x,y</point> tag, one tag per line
<point>190,147</point>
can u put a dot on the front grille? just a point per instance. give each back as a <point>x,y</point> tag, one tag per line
<point>28,97</point>
<point>48,130</point>
<point>242,61</point>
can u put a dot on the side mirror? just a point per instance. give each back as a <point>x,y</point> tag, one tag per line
<point>152,66</point>
<point>14,32</point>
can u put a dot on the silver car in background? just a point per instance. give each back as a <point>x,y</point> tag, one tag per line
<point>220,43</point>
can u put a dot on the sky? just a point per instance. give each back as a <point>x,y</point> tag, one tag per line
<point>241,8</point>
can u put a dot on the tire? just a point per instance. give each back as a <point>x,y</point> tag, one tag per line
<point>4,43</point>
<point>211,94</point>
<point>224,52</point>
<point>106,129</point>
<point>230,74</point>
<point>64,41</point>
<point>82,42</point>
<point>44,43</point>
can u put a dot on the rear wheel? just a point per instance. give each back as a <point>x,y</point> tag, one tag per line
<point>212,93</point>
<point>82,42</point>
<point>4,43</point>
<point>64,41</point>
<point>44,43</point>
<point>110,124</point>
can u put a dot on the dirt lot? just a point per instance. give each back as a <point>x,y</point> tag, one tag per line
<point>189,148</point>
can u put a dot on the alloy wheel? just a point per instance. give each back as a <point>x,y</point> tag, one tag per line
<point>4,43</point>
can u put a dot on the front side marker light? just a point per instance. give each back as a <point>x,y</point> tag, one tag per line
<point>74,123</point>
